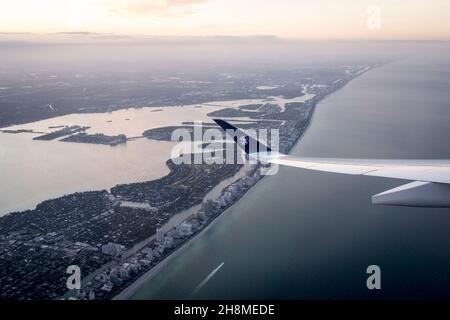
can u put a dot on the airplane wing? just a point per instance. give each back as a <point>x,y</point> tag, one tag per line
<point>431,186</point>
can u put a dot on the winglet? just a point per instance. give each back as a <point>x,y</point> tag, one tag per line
<point>246,142</point>
<point>225,125</point>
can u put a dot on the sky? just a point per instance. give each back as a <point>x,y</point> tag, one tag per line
<point>297,19</point>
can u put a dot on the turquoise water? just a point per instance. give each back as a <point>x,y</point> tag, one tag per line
<point>302,234</point>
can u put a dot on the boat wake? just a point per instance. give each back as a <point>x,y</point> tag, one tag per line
<point>208,277</point>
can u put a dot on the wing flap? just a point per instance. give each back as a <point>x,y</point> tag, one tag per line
<point>416,194</point>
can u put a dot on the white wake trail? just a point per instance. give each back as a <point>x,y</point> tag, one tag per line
<point>208,277</point>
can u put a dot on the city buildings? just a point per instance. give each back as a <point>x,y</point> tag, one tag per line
<point>112,249</point>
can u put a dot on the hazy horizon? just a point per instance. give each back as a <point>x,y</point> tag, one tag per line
<point>288,19</point>
<point>126,36</point>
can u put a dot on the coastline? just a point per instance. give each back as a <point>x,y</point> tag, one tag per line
<point>131,289</point>
<point>180,216</point>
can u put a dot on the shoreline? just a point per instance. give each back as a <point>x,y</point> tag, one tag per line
<point>131,290</point>
<point>182,215</point>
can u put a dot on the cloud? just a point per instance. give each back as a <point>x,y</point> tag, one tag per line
<point>150,6</point>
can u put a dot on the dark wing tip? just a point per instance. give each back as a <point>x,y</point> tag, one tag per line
<point>224,125</point>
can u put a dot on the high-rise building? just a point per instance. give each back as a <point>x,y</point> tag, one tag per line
<point>112,249</point>
<point>124,272</point>
<point>207,206</point>
<point>184,229</point>
<point>201,215</point>
<point>169,242</point>
<point>148,253</point>
<point>160,235</point>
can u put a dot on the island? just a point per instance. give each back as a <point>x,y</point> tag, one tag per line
<point>65,131</point>
<point>98,138</point>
